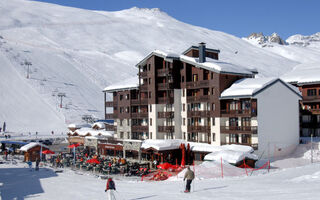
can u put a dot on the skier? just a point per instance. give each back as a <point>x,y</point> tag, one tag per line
<point>4,127</point>
<point>189,175</point>
<point>110,188</point>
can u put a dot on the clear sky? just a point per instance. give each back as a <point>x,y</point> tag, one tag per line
<point>237,17</point>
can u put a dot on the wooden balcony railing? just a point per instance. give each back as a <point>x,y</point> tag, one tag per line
<point>203,129</point>
<point>143,87</point>
<point>139,115</point>
<point>204,98</point>
<point>144,74</point>
<point>139,128</point>
<point>163,72</point>
<point>139,102</point>
<point>165,100</point>
<point>110,116</point>
<point>109,104</point>
<point>197,84</point>
<point>252,112</point>
<point>165,114</point>
<point>111,128</point>
<point>202,113</point>
<point>164,86</point>
<point>239,129</point>
<point>166,128</point>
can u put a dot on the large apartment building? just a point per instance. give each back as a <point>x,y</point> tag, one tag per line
<point>179,97</point>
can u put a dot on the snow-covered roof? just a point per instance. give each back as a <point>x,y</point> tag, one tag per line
<point>128,84</point>
<point>249,87</point>
<point>29,146</point>
<point>162,145</point>
<point>100,125</point>
<point>92,132</point>
<point>202,147</point>
<point>230,156</point>
<point>217,66</point>
<point>304,74</point>
<point>76,126</point>
<point>159,53</point>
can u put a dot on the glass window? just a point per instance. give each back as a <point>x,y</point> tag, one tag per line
<point>311,92</point>
<point>306,118</point>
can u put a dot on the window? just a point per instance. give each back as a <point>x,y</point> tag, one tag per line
<point>213,137</point>
<point>213,121</point>
<point>183,107</point>
<point>150,108</point>
<point>211,75</point>
<point>121,109</point>
<point>212,91</point>
<point>318,118</point>
<point>245,139</point>
<point>121,97</point>
<point>128,122</point>
<point>115,108</point>
<point>312,92</point>
<point>184,121</point>
<point>150,135</point>
<point>182,79</point>
<point>114,94</point>
<point>184,135</point>
<point>183,92</point>
<point>149,67</point>
<point>246,121</point>
<point>195,77</point>
<point>127,96</point>
<point>149,95</point>
<point>150,121</point>
<point>121,121</point>
<point>213,107</point>
<point>233,105</point>
<point>234,138</point>
<point>149,81</point>
<point>121,135</point>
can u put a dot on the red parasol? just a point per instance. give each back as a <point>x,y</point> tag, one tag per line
<point>48,152</point>
<point>183,162</point>
<point>73,145</point>
<point>167,166</point>
<point>93,161</point>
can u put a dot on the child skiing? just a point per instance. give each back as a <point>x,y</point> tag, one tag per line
<point>110,188</point>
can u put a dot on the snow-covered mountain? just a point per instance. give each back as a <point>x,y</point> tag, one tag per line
<point>260,39</point>
<point>79,52</point>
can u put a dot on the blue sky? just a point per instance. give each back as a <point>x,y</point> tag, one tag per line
<point>237,17</point>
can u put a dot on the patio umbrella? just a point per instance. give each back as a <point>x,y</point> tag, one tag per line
<point>48,152</point>
<point>93,161</point>
<point>73,145</point>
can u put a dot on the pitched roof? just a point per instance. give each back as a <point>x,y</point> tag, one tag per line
<point>29,146</point>
<point>128,84</point>
<point>249,87</point>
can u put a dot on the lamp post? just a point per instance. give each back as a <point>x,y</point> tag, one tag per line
<point>311,148</point>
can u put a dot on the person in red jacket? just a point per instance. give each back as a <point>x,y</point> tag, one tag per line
<point>110,188</point>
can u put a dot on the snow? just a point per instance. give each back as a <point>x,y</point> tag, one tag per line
<point>77,126</point>
<point>31,145</point>
<point>162,145</point>
<point>80,52</point>
<point>304,73</point>
<point>130,83</point>
<point>92,132</point>
<point>100,125</point>
<point>216,65</point>
<point>230,156</point>
<point>250,86</point>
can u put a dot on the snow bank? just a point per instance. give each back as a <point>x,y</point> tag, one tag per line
<point>230,156</point>
<point>201,147</point>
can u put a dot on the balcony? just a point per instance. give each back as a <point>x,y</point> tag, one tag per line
<point>228,113</point>
<point>139,128</point>
<point>202,129</point>
<point>166,128</point>
<point>165,100</point>
<point>197,84</point>
<point>139,115</point>
<point>191,99</point>
<point>110,116</point>
<point>143,87</point>
<point>310,99</point>
<point>203,113</point>
<point>136,102</point>
<point>109,104</point>
<point>164,86</point>
<point>239,129</point>
<point>163,72</point>
<point>165,114</point>
<point>143,74</point>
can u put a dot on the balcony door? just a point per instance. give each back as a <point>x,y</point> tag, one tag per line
<point>233,121</point>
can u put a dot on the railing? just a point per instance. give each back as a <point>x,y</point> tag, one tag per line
<point>110,116</point>
<point>308,98</point>
<point>111,128</point>
<point>165,100</point>
<point>109,103</point>
<point>203,98</point>
<point>204,83</point>
<point>165,114</point>
<point>163,72</point>
<point>137,128</point>
<point>143,87</point>
<point>166,128</point>
<point>139,115</point>
<point>164,86</point>
<point>239,129</point>
<point>202,113</point>
<point>198,128</point>
<point>252,112</point>
<point>139,102</point>
<point>143,74</point>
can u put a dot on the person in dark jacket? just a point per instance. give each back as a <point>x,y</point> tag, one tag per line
<point>110,189</point>
<point>37,164</point>
<point>189,175</point>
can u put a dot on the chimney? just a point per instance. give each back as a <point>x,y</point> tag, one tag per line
<point>202,52</point>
